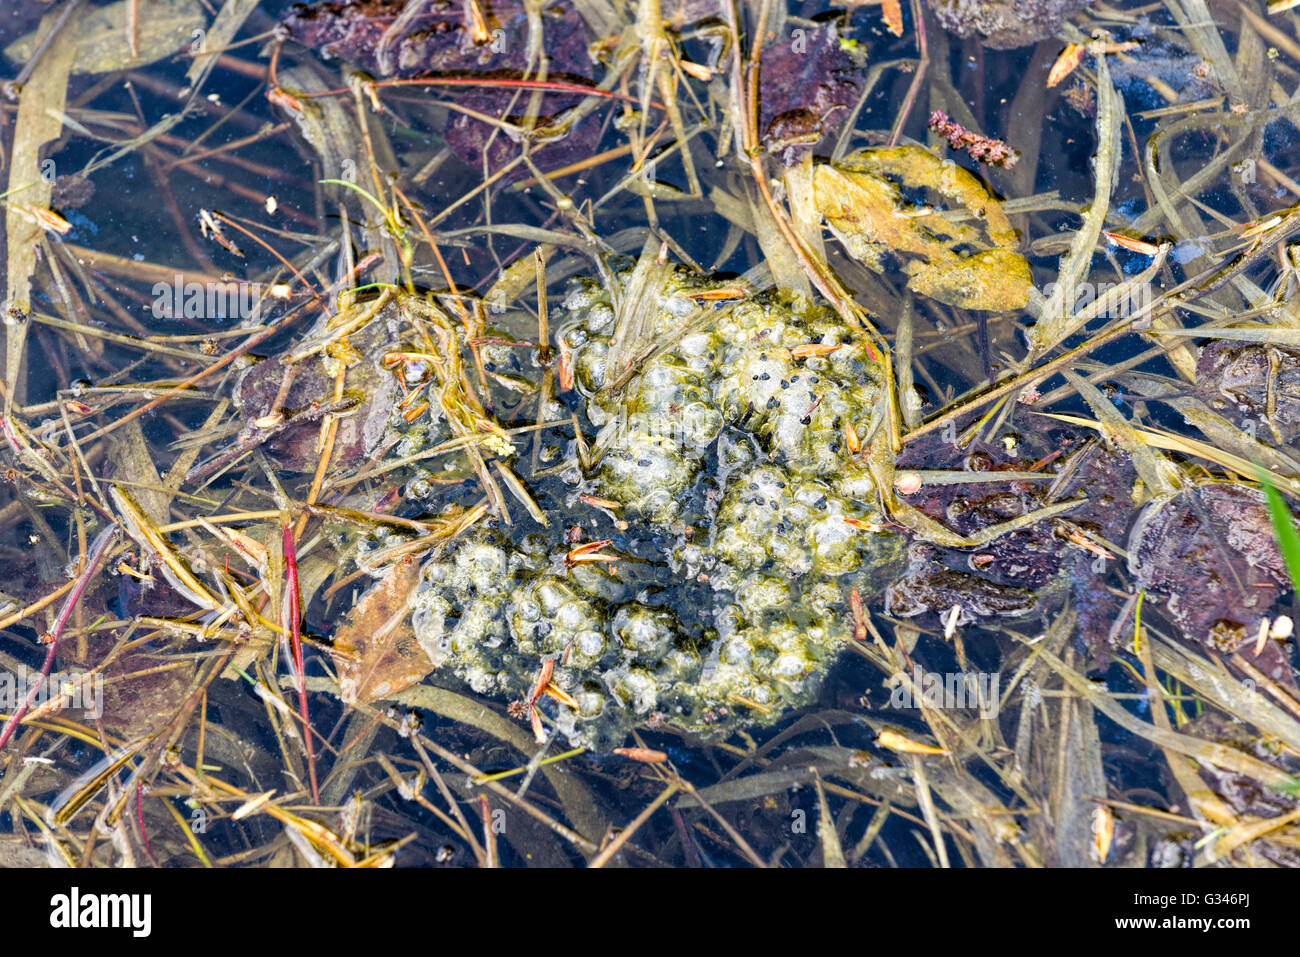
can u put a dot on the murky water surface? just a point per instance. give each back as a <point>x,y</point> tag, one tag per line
<point>882,478</point>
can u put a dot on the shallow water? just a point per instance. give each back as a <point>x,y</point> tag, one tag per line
<point>245,190</point>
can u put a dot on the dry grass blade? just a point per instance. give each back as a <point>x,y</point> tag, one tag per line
<point>614,846</point>
<point>1161,439</point>
<point>43,98</point>
<point>1053,323</point>
<point>145,531</point>
<point>1159,474</point>
<point>1206,751</point>
<point>832,850</point>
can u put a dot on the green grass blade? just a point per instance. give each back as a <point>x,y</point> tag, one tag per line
<point>1288,539</point>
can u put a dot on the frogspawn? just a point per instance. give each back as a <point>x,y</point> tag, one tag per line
<point>720,430</point>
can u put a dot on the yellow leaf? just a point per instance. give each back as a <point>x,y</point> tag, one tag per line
<point>1065,63</point>
<point>891,11</point>
<point>896,742</point>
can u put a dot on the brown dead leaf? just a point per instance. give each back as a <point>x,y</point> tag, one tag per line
<point>375,650</point>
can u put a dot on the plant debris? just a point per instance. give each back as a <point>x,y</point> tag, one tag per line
<point>643,421</point>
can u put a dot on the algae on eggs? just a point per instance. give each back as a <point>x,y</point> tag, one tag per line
<point>720,422</point>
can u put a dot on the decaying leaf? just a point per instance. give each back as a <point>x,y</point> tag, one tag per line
<point>392,38</point>
<point>996,279</point>
<point>375,649</point>
<point>102,42</point>
<point>891,11</point>
<point>862,201</point>
<point>1209,552</point>
<point>810,82</point>
<point>1256,385</point>
<point>1004,24</point>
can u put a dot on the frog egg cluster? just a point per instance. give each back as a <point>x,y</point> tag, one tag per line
<point>726,454</point>
<point>490,614</point>
<point>787,372</point>
<point>801,525</point>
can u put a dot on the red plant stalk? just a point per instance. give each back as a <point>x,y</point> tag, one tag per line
<point>295,648</point>
<point>523,83</point>
<point>51,638</point>
<point>139,813</point>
